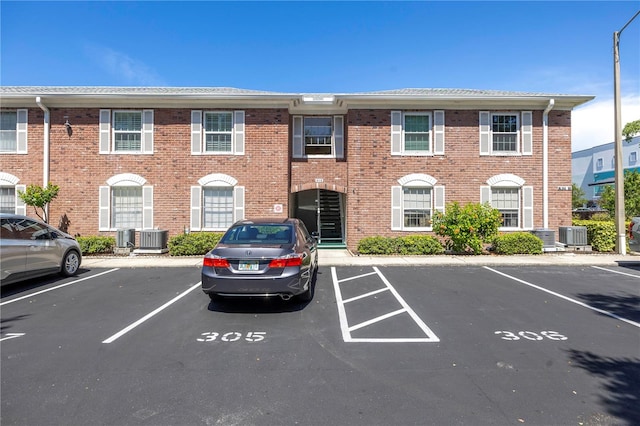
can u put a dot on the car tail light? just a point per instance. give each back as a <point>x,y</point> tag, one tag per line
<point>630,229</point>
<point>216,262</point>
<point>283,262</point>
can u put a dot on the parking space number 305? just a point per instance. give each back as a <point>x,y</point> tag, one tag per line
<point>232,336</point>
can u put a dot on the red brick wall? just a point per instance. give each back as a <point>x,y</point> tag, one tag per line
<point>366,174</point>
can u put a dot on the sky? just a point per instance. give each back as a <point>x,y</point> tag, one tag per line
<point>333,47</point>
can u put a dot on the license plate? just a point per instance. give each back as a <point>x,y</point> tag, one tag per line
<point>248,266</point>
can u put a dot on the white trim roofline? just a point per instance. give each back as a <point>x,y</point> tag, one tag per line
<point>192,97</point>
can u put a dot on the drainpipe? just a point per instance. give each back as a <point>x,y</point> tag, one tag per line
<point>545,164</point>
<point>45,160</point>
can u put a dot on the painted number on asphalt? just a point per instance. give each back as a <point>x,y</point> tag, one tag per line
<point>530,335</point>
<point>232,336</point>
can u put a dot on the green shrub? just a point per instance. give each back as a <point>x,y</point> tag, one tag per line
<point>467,228</point>
<point>600,235</point>
<point>419,244</point>
<point>518,243</point>
<point>601,217</point>
<point>96,244</point>
<point>193,244</point>
<point>377,245</point>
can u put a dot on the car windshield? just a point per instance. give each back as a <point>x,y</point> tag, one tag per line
<point>258,234</point>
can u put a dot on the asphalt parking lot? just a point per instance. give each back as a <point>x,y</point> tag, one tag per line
<point>412,345</point>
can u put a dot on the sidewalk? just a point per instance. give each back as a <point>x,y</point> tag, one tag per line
<point>345,258</point>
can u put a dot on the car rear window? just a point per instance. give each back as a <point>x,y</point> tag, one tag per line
<point>258,234</point>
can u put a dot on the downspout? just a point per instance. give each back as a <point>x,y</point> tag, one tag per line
<point>545,164</point>
<point>45,151</point>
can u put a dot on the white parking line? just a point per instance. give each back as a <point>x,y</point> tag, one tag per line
<point>151,314</point>
<point>344,323</point>
<point>56,287</point>
<point>616,272</point>
<point>577,302</point>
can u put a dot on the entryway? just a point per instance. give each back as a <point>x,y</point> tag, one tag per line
<point>322,211</point>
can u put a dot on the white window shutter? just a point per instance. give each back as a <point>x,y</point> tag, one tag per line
<point>396,132</point>
<point>485,133</point>
<point>147,207</point>
<point>438,132</point>
<point>196,203</point>
<point>527,207</point>
<point>21,207</point>
<point>105,131</point>
<point>527,133</point>
<point>298,137</point>
<point>238,203</point>
<point>485,194</point>
<point>396,208</point>
<point>22,116</point>
<point>104,204</point>
<point>338,135</point>
<point>238,132</point>
<point>438,199</point>
<point>196,133</point>
<point>147,131</point>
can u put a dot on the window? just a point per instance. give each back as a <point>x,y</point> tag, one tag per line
<point>13,131</point>
<point>217,132</point>
<point>506,133</point>
<point>417,132</point>
<point>508,194</point>
<point>10,202</point>
<point>416,207</point>
<point>599,164</point>
<point>126,203</point>
<point>126,207</point>
<point>126,132</point>
<point>217,207</point>
<point>318,137</point>
<point>414,133</point>
<point>216,203</point>
<point>633,158</point>
<point>507,200</point>
<point>7,199</point>
<point>414,201</point>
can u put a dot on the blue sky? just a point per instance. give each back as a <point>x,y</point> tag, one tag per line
<point>542,46</point>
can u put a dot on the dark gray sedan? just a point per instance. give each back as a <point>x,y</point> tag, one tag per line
<point>262,257</point>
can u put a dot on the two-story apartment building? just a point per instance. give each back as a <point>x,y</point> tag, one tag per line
<point>350,165</point>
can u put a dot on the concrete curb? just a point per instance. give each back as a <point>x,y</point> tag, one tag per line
<point>345,258</point>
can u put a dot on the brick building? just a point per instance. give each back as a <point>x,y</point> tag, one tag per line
<point>349,165</point>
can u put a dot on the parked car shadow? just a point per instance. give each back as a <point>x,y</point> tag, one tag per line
<point>630,264</point>
<point>35,283</point>
<point>256,305</point>
<point>7,323</point>
<point>620,382</point>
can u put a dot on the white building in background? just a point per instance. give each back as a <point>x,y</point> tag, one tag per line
<point>593,168</point>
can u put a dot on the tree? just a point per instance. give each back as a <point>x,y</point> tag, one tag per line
<point>577,196</point>
<point>39,198</point>
<point>631,195</point>
<point>630,130</point>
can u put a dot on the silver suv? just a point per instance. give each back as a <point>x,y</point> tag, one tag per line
<point>30,248</point>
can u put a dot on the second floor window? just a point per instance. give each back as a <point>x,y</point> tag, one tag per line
<point>218,131</point>
<point>317,136</point>
<point>504,131</point>
<point>127,131</point>
<point>13,131</point>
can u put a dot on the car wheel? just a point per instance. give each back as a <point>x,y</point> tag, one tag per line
<point>70,263</point>
<point>308,294</point>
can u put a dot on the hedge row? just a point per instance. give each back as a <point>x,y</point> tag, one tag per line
<point>193,244</point>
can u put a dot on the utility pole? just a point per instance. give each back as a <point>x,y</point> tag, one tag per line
<point>621,243</point>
